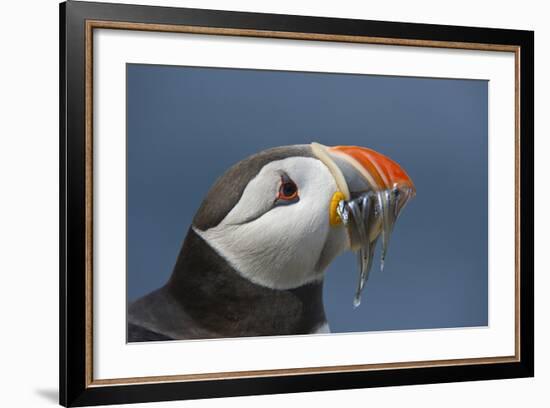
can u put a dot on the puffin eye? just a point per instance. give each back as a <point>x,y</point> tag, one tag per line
<point>288,191</point>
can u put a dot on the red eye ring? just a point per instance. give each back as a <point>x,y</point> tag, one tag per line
<point>288,190</point>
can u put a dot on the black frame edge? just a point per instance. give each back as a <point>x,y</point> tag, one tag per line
<point>527,194</point>
<point>306,24</point>
<point>72,219</point>
<point>72,387</point>
<point>62,207</point>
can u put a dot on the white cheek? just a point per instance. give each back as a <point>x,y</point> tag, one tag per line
<point>281,248</point>
<point>257,198</point>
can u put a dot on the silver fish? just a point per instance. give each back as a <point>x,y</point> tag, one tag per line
<point>363,215</point>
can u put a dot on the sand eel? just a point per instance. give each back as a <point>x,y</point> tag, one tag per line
<point>253,260</point>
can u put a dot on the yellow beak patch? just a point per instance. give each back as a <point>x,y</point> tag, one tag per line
<point>334,218</point>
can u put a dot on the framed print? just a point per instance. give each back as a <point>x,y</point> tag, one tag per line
<point>256,203</point>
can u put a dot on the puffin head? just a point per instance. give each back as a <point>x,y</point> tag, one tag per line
<point>277,218</point>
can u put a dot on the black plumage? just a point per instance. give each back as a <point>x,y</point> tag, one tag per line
<point>206,298</point>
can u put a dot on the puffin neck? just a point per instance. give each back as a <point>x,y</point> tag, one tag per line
<point>218,298</point>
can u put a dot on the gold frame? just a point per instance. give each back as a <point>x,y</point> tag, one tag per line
<point>99,24</point>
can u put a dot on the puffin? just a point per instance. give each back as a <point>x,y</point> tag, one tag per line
<point>253,260</point>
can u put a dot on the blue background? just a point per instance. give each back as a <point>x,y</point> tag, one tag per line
<point>187,125</point>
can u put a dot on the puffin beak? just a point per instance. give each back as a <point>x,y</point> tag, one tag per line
<point>358,170</point>
<point>372,191</point>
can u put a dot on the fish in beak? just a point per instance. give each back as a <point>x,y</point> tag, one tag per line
<point>372,192</point>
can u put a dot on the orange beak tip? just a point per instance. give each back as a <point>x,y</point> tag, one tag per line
<point>385,172</point>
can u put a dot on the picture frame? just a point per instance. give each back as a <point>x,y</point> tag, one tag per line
<point>79,21</point>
